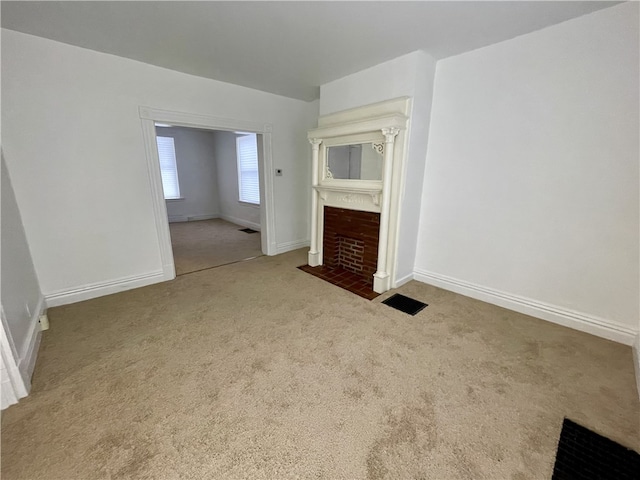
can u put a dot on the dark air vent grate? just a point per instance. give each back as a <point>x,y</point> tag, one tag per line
<point>585,455</point>
<point>405,304</point>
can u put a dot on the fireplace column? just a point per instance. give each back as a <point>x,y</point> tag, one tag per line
<point>381,279</point>
<point>314,255</point>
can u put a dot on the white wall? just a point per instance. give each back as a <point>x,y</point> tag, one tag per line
<point>392,79</point>
<point>231,208</point>
<point>196,174</point>
<point>531,185</point>
<point>74,147</point>
<point>22,301</point>
<point>409,75</point>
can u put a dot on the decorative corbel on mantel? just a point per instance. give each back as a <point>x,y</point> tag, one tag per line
<point>378,147</point>
<point>314,257</point>
<point>328,173</point>
<point>381,279</point>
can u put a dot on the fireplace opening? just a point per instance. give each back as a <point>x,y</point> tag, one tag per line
<point>350,241</point>
<point>350,254</point>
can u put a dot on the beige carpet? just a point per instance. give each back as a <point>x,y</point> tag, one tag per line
<point>210,243</point>
<point>258,370</point>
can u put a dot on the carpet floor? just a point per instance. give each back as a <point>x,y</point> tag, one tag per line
<point>259,370</point>
<point>210,243</point>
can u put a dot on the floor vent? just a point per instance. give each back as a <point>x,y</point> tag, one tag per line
<point>405,304</point>
<point>585,455</point>
<point>248,230</point>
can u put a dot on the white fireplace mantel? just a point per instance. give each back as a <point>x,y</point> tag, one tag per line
<point>383,126</point>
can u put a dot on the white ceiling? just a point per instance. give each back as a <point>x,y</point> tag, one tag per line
<point>287,48</point>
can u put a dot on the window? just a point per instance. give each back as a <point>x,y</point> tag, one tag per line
<point>248,180</point>
<point>168,168</point>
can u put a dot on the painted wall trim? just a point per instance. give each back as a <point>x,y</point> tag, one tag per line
<point>289,246</point>
<point>241,222</point>
<point>183,119</point>
<point>197,218</point>
<point>192,218</point>
<point>12,383</point>
<point>157,193</point>
<point>28,354</point>
<point>100,289</point>
<point>402,280</point>
<point>636,361</point>
<point>552,313</point>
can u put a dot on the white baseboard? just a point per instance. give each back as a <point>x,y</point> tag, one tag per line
<point>402,280</point>
<point>240,221</point>
<point>552,313</point>
<point>191,218</point>
<point>289,246</point>
<point>209,216</point>
<point>100,289</point>
<point>29,351</point>
<point>205,216</point>
<point>636,361</point>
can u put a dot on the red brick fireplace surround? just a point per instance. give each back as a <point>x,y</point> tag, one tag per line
<point>350,250</point>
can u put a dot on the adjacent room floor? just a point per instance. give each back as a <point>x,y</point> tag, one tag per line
<point>258,370</point>
<point>210,243</point>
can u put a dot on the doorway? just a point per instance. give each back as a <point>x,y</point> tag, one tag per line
<point>200,233</point>
<point>211,189</point>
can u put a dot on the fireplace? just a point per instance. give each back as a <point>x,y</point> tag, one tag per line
<point>357,161</point>
<point>350,241</point>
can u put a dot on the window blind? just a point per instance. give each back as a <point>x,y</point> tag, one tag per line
<point>248,179</point>
<point>168,168</point>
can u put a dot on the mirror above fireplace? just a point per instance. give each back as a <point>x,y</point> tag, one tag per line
<point>360,161</point>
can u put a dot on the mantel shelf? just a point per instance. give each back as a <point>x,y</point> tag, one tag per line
<point>363,126</point>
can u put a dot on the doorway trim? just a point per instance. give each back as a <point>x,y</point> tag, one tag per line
<point>16,384</point>
<point>149,117</point>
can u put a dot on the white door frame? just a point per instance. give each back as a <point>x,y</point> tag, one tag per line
<point>13,385</point>
<point>149,116</point>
